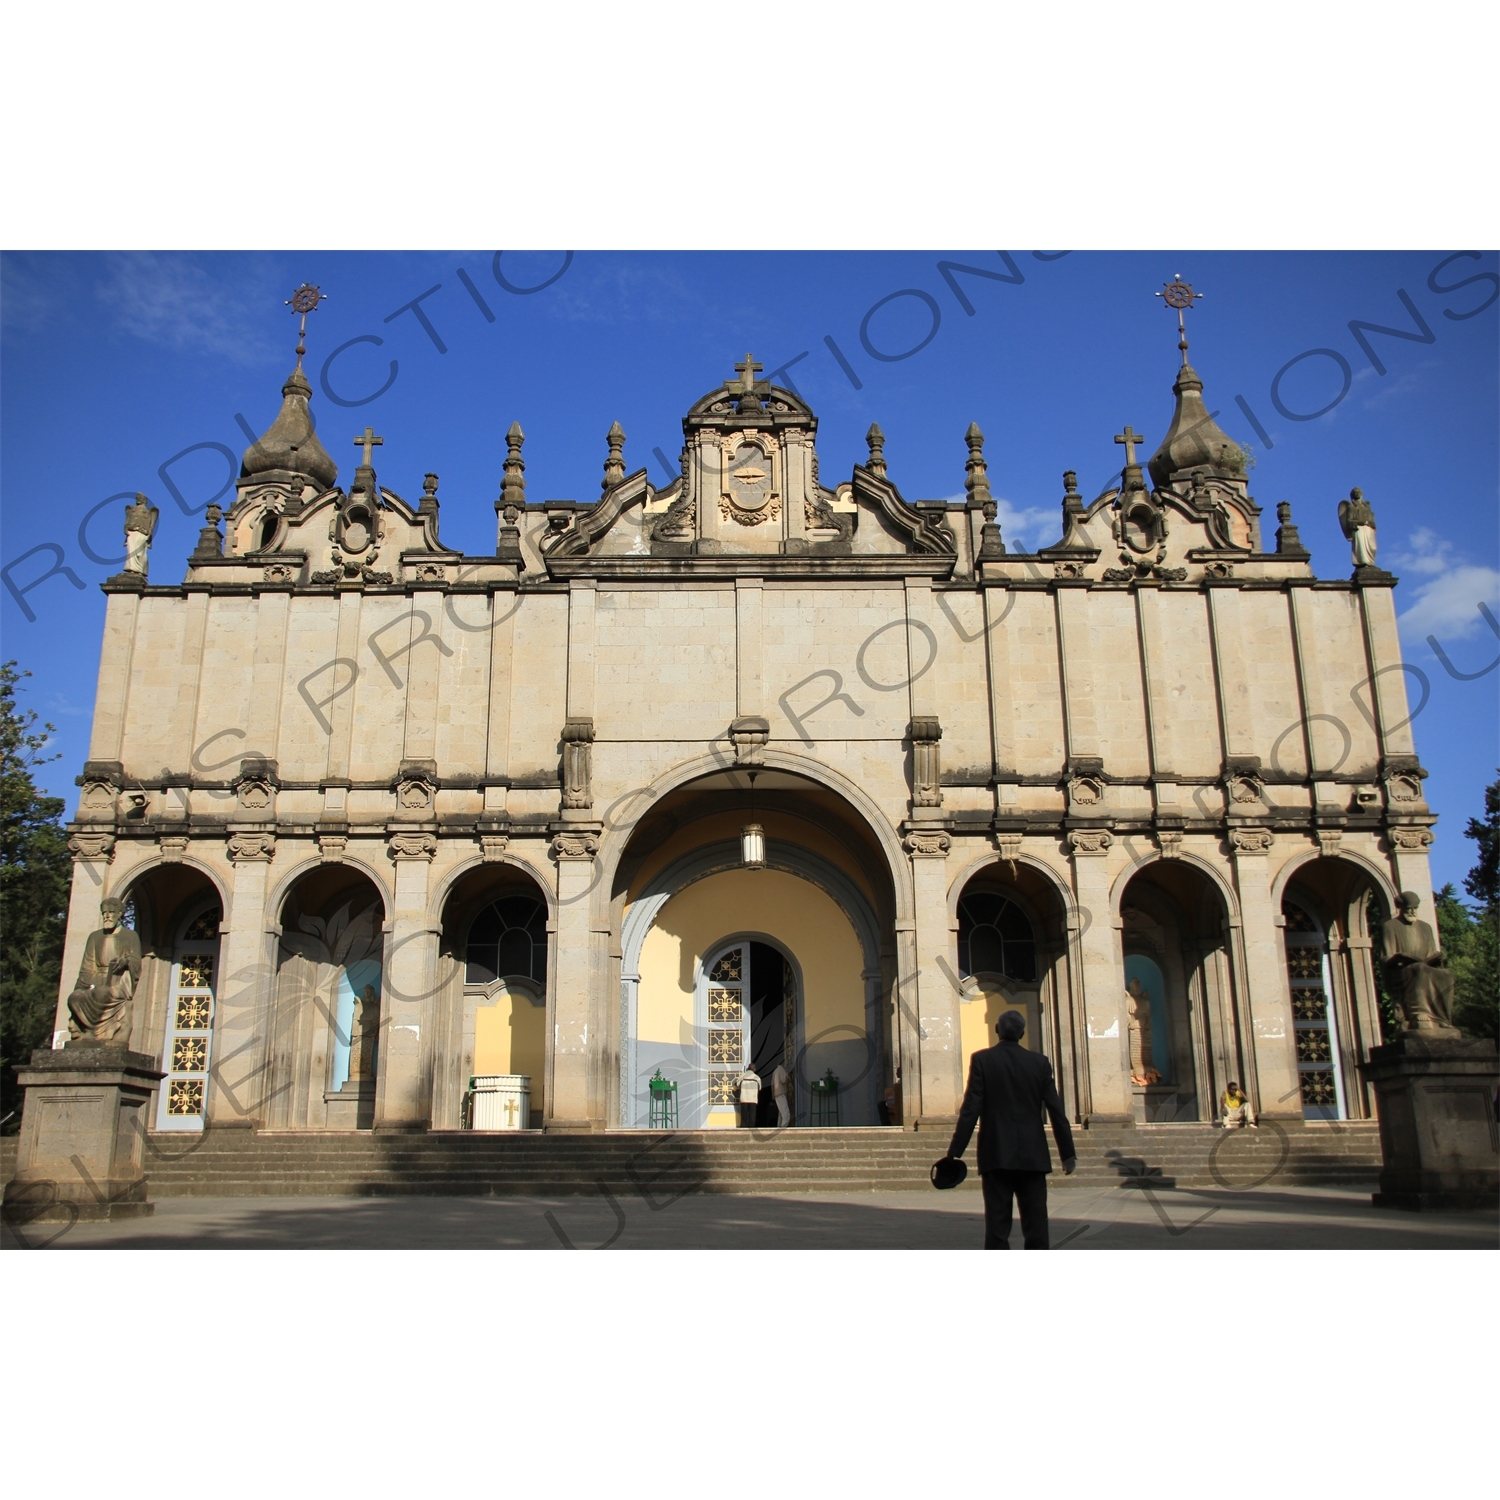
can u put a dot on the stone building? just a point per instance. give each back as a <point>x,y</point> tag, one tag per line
<point>747,768</point>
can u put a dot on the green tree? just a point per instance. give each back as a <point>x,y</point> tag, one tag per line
<point>35,875</point>
<point>1476,963</point>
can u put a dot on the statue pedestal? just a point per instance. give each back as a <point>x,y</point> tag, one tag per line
<point>82,1139</point>
<point>1438,1137</point>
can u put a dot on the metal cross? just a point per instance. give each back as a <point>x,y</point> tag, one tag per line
<point>304,300</point>
<point>367,442</point>
<point>1130,437</point>
<point>1179,294</point>
<point>748,370</point>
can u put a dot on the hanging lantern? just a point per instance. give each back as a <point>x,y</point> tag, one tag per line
<point>753,847</point>
<point>753,837</point>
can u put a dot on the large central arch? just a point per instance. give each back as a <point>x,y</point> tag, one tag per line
<point>865,887</point>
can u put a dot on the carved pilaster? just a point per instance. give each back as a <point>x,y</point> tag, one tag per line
<point>1089,841</point>
<point>405,846</point>
<point>92,846</point>
<point>577,763</point>
<point>574,846</point>
<point>928,845</point>
<point>1410,839</point>
<point>926,761</point>
<point>1251,840</point>
<point>245,847</point>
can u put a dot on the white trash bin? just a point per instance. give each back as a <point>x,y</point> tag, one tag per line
<point>502,1101</point>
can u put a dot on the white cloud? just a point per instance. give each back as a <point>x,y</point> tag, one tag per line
<point>1427,553</point>
<point>1024,530</point>
<point>1446,604</point>
<point>173,300</point>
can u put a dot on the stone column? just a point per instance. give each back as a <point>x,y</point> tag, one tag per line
<point>1267,998</point>
<point>1103,978</point>
<point>572,1105</point>
<point>938,1037</point>
<point>402,1086</point>
<point>242,1002</point>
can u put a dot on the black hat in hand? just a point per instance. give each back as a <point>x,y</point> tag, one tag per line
<point>948,1172</point>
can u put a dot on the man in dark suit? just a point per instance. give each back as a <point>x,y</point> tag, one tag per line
<point>1009,1088</point>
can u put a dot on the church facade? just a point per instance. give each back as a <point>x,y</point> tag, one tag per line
<point>744,771</point>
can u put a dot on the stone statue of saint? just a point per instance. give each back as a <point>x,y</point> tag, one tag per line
<point>101,1005</point>
<point>364,1032</point>
<point>1138,1008</point>
<point>140,527</point>
<point>1358,522</point>
<point>1414,969</point>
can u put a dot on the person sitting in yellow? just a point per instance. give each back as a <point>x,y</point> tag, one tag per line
<point>1237,1110</point>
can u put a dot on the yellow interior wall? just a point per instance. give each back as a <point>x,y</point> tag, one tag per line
<point>799,915</point>
<point>510,1036</point>
<point>977,1019</point>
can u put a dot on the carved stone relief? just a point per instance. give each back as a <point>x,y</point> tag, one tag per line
<point>252,846</point>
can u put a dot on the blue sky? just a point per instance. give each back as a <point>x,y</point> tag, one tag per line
<point>115,363</point>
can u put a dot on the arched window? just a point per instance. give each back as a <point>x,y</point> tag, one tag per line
<point>508,940</point>
<point>994,937</point>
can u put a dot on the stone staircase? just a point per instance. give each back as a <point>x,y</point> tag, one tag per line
<point>659,1167</point>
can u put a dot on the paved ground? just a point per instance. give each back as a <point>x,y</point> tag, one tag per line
<point>1108,1218</point>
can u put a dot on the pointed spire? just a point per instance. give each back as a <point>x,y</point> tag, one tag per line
<point>876,439</point>
<point>290,446</point>
<point>614,465</point>
<point>512,499</point>
<point>977,474</point>
<point>1193,441</point>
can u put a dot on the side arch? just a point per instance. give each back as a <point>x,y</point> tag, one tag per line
<point>1380,877</point>
<point>277,894</point>
<point>1054,879</point>
<point>1217,877</point>
<point>617,835</point>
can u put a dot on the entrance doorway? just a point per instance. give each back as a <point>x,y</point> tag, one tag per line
<point>750,1004</point>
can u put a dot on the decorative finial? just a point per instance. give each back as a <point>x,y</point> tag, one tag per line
<point>304,300</point>
<point>1179,294</point>
<point>1070,484</point>
<point>513,485</point>
<point>614,465</point>
<point>977,474</point>
<point>429,502</point>
<point>1287,539</point>
<point>876,439</point>
<point>210,542</point>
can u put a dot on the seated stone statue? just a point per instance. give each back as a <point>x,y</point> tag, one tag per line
<point>100,1009</point>
<point>1414,969</point>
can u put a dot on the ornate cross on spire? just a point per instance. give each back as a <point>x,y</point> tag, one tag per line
<point>748,370</point>
<point>1130,437</point>
<point>368,442</point>
<point>304,300</point>
<point>1179,294</point>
